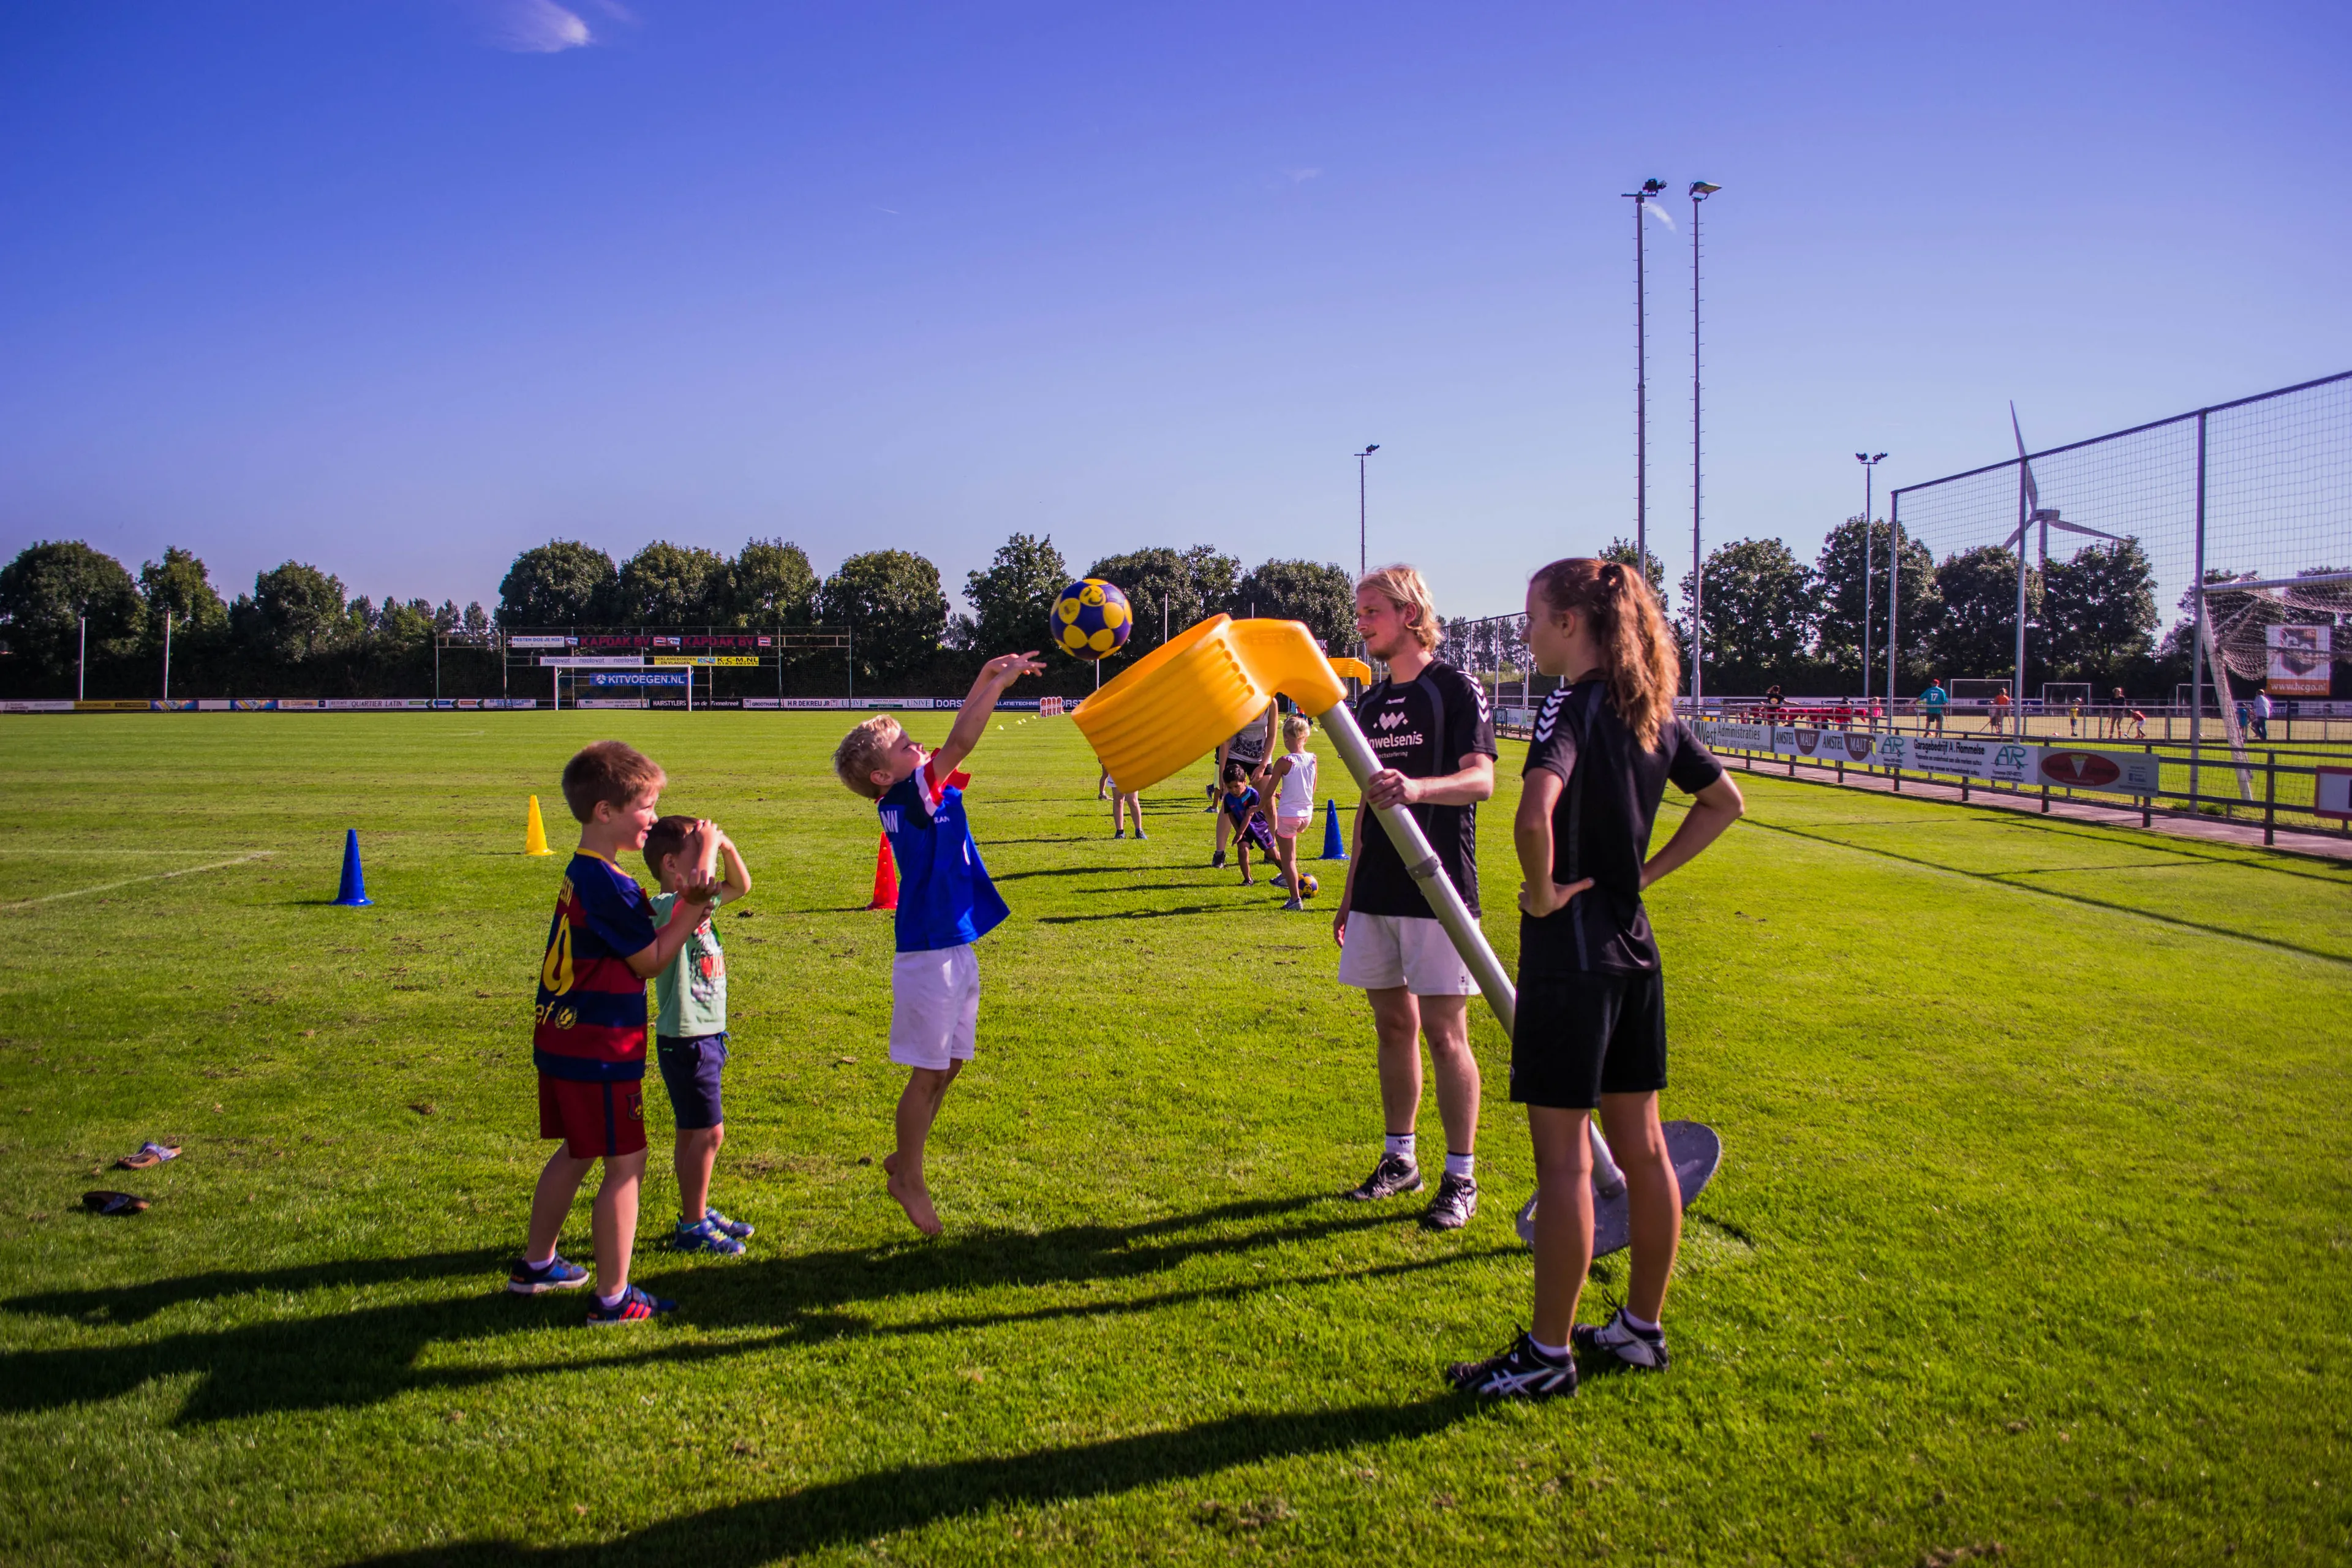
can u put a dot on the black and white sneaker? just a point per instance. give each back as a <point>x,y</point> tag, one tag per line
<point>1620,1339</point>
<point>1521,1372</point>
<point>1394,1175</point>
<point>1457,1201</point>
<point>1217,861</point>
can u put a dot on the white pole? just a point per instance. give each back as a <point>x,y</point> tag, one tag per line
<point>81,664</point>
<point>167,657</point>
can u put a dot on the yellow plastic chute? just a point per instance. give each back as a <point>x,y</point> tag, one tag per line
<point>1189,693</point>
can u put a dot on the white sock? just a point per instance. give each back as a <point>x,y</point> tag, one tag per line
<point>1461,1164</point>
<point>613,1300</point>
<point>1643,1324</point>
<point>1401,1145</point>
<point>540,1262</point>
<point>1549,1352</point>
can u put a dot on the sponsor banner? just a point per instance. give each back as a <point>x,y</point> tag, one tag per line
<point>1736,737</point>
<point>2301,660</point>
<point>705,660</point>
<point>609,703</point>
<point>764,702</point>
<point>717,702</point>
<point>2118,773</point>
<point>2331,792</point>
<point>679,703</point>
<point>298,704</point>
<point>378,702</point>
<point>911,703</point>
<point>1010,704</point>
<point>165,705</point>
<point>1993,761</point>
<point>510,701</point>
<point>112,705</point>
<point>542,642</point>
<point>949,703</point>
<point>677,677</point>
<point>37,706</point>
<point>252,704</point>
<point>2320,710</point>
<point>591,661</point>
<point>213,705</point>
<point>1829,745</point>
<point>813,701</point>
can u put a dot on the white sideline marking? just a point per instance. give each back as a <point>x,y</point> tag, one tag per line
<point>127,881</point>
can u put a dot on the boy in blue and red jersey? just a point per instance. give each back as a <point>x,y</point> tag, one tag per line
<point>589,1042</point>
<point>946,904</point>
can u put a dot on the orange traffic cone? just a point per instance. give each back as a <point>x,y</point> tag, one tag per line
<point>886,877</point>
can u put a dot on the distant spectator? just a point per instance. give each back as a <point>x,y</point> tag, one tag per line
<point>2245,716</point>
<point>2000,708</point>
<point>1932,703</point>
<point>2117,709</point>
<point>2261,715</point>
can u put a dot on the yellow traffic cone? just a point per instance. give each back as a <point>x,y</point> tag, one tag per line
<point>535,833</point>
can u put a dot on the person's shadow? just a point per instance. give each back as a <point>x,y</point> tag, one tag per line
<point>372,1353</point>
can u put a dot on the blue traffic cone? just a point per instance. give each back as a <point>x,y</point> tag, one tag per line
<point>352,894</point>
<point>1334,846</point>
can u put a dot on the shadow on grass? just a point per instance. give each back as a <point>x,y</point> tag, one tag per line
<point>372,1353</point>
<point>1137,914</point>
<point>845,1512</point>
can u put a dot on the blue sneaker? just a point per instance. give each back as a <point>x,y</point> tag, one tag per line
<point>634,1307</point>
<point>703,1237</point>
<point>525,1280</point>
<point>734,1228</point>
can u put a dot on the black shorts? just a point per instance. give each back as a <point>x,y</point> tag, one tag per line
<point>1580,1036</point>
<point>689,1070</point>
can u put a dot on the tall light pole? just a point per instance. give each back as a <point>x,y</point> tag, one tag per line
<point>81,663</point>
<point>1699,191</point>
<point>1651,191</point>
<point>1362,563</point>
<point>1869,462</point>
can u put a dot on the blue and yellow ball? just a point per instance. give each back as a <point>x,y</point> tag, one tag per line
<point>1091,619</point>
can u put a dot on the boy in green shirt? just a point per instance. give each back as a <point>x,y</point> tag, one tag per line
<point>690,1032</point>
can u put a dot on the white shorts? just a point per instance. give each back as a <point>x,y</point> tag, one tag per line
<point>1291,827</point>
<point>1385,952</point>
<point>935,1006</point>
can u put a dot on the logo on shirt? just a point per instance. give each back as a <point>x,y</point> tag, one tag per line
<point>1549,717</point>
<point>889,819</point>
<point>1391,719</point>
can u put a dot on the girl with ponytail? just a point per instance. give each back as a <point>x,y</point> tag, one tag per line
<point>1591,1026</point>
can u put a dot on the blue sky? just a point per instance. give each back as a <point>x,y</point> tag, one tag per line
<point>401,286</point>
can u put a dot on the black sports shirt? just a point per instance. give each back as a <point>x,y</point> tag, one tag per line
<point>1423,727</point>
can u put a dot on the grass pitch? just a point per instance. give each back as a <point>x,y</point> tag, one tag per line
<point>2032,1234</point>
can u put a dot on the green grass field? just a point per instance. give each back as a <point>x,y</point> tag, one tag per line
<point>2031,1239</point>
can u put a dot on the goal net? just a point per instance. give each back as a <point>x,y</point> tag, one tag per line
<point>1969,691</point>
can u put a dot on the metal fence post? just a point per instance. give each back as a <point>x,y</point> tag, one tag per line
<point>2270,797</point>
<point>2197,649</point>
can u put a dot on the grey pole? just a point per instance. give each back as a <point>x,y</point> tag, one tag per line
<point>1894,598</point>
<point>1362,560</point>
<point>1699,191</point>
<point>81,664</point>
<point>1650,190</point>
<point>1869,569</point>
<point>2017,680</point>
<point>2197,653</point>
<point>167,657</point>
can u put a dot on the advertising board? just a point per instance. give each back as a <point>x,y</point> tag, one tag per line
<point>591,661</point>
<point>672,678</point>
<point>2301,660</point>
<point>2331,793</point>
<point>542,642</point>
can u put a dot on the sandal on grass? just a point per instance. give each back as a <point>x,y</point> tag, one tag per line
<point>102,1202</point>
<point>150,1154</point>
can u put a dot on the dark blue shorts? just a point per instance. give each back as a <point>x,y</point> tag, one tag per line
<point>689,1070</point>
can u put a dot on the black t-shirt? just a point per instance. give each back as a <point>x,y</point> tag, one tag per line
<point>1423,727</point>
<point>1248,745</point>
<point>1600,829</point>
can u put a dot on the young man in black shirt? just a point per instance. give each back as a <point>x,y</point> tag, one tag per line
<point>1429,725</point>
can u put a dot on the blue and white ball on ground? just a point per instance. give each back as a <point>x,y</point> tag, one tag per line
<point>1091,619</point>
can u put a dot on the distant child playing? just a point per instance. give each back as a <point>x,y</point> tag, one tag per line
<point>1247,815</point>
<point>946,904</point>
<point>588,1040</point>
<point>691,1024</point>
<point>1133,804</point>
<point>1592,1026</point>
<point>1292,782</point>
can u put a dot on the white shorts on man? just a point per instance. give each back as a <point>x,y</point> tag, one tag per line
<point>1385,952</point>
<point>935,1006</point>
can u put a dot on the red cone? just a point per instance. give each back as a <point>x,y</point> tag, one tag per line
<point>886,877</point>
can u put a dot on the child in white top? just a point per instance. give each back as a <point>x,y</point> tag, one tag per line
<point>1291,783</point>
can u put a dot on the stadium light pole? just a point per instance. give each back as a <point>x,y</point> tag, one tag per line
<point>1362,458</point>
<point>1651,191</point>
<point>81,662</point>
<point>1869,470</point>
<point>1699,191</point>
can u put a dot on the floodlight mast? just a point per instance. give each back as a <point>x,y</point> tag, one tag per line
<point>1869,467</point>
<point>1651,191</point>
<point>1699,191</point>
<point>1363,567</point>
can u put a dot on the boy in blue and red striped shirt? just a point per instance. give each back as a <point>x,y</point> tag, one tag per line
<point>589,1041</point>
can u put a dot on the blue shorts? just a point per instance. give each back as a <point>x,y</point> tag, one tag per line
<point>689,1070</point>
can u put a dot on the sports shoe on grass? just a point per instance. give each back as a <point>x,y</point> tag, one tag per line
<point>1140,833</point>
<point>1292,905</point>
<point>1119,833</point>
<point>634,1307</point>
<point>703,1237</point>
<point>525,1280</point>
<point>1620,1339</point>
<point>1457,1201</point>
<point>1217,861</point>
<point>1521,1372</point>
<point>734,1228</point>
<point>1393,1175</point>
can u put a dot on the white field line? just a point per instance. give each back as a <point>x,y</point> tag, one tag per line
<point>127,881</point>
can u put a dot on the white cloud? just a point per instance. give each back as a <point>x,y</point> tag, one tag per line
<point>539,27</point>
<point>1300,176</point>
<point>1662,215</point>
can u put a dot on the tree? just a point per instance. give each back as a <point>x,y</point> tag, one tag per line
<point>1621,551</point>
<point>1838,572</point>
<point>477,623</point>
<point>890,602</point>
<point>296,611</point>
<point>1321,595</point>
<point>179,584</point>
<point>771,584</point>
<point>1012,600</point>
<point>1976,636</point>
<point>1758,613</point>
<point>47,590</point>
<point>2100,611</point>
<point>1191,584</point>
<point>560,584</point>
<point>667,585</point>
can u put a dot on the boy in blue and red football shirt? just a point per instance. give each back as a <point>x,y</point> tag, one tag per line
<point>946,904</point>
<point>589,1042</point>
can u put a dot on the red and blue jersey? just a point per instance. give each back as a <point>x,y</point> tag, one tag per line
<point>592,1004</point>
<point>945,897</point>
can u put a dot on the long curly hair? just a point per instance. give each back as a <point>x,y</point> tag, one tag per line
<point>1643,670</point>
